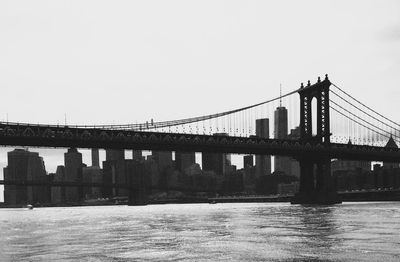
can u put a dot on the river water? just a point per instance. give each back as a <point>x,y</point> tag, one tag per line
<point>203,232</point>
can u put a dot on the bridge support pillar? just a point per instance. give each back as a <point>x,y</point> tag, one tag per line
<point>137,181</point>
<point>316,185</point>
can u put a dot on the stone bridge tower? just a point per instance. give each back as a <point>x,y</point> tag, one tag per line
<point>316,183</point>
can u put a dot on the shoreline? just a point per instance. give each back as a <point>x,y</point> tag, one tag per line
<point>215,200</point>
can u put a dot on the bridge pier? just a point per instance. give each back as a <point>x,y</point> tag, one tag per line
<point>316,185</point>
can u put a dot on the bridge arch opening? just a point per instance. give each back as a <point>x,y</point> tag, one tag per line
<point>314,114</point>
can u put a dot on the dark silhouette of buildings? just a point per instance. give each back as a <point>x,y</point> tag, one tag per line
<point>95,157</point>
<point>294,164</point>
<point>25,166</point>
<point>115,154</point>
<point>163,159</point>
<point>216,162</point>
<point>248,161</point>
<point>263,162</point>
<point>58,193</point>
<point>137,155</point>
<point>282,163</point>
<point>183,160</point>
<point>114,173</point>
<point>73,173</point>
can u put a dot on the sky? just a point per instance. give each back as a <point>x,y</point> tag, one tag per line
<point>95,62</point>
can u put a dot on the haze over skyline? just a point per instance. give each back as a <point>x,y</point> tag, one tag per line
<point>120,62</point>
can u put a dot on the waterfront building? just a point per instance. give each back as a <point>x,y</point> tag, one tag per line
<point>288,188</point>
<point>248,161</point>
<point>58,193</point>
<point>115,154</point>
<point>114,173</point>
<point>25,166</point>
<point>184,160</point>
<point>138,178</point>
<point>217,162</point>
<point>152,171</point>
<point>92,174</point>
<point>137,155</point>
<point>294,164</point>
<point>163,159</point>
<point>343,165</point>
<point>73,173</point>
<point>95,157</point>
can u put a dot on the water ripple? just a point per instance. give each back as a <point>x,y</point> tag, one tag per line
<point>202,232</point>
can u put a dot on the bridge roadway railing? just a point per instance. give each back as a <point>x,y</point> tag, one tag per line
<point>64,136</point>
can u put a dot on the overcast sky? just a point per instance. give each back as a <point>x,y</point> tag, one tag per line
<point>127,61</point>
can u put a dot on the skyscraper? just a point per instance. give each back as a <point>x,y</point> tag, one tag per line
<point>282,163</point>
<point>217,162</point>
<point>137,155</point>
<point>248,161</point>
<point>263,162</point>
<point>295,166</point>
<point>58,193</point>
<point>184,160</point>
<point>115,154</point>
<point>25,166</point>
<point>163,159</point>
<point>114,172</point>
<point>281,123</point>
<point>73,173</point>
<point>95,157</point>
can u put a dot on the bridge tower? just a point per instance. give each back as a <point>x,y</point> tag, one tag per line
<point>316,183</point>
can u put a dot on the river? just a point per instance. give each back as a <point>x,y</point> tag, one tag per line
<point>203,232</point>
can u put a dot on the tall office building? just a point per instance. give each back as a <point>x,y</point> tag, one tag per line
<point>58,193</point>
<point>295,165</point>
<point>217,162</point>
<point>281,123</point>
<point>163,159</point>
<point>114,172</point>
<point>73,173</point>
<point>95,157</point>
<point>92,174</point>
<point>184,160</point>
<point>248,161</point>
<point>282,163</point>
<point>115,154</point>
<point>137,155</point>
<point>263,162</point>
<point>25,166</point>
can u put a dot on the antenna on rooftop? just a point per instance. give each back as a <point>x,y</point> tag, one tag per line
<point>280,95</point>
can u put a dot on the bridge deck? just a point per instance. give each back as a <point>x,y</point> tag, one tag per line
<point>64,136</point>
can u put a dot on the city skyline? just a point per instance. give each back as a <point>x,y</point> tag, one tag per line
<point>219,163</point>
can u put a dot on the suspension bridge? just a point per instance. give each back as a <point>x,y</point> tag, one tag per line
<point>331,124</point>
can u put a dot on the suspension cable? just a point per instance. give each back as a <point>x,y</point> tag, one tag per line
<point>365,105</point>
<point>380,121</point>
<point>333,108</point>
<point>377,127</point>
